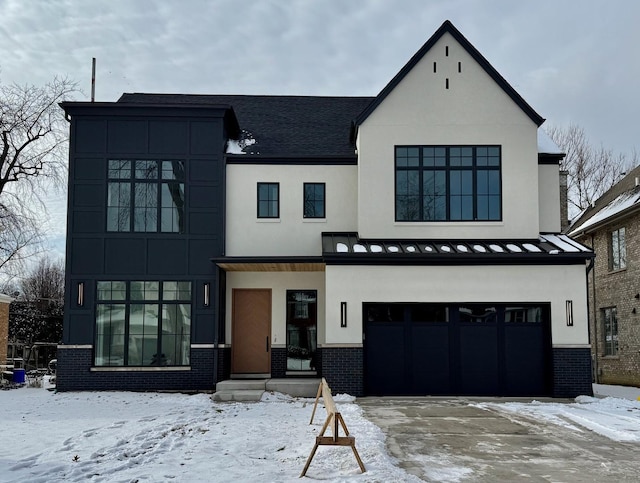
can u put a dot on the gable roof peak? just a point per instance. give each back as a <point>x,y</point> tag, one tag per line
<point>448,27</point>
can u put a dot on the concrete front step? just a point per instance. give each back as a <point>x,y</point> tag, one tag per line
<point>238,395</point>
<point>252,389</point>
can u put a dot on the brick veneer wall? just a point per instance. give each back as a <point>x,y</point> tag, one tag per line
<point>74,374</point>
<point>278,361</point>
<point>224,363</point>
<point>343,369</point>
<point>4,331</point>
<point>616,289</point>
<point>572,372</point>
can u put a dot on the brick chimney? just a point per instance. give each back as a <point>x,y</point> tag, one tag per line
<point>564,201</point>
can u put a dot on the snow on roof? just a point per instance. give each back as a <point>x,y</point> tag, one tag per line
<point>546,144</point>
<point>619,204</point>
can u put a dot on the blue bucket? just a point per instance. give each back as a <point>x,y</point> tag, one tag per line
<point>18,376</point>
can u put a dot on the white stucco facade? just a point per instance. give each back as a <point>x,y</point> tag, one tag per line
<point>291,234</point>
<point>456,284</point>
<point>474,110</point>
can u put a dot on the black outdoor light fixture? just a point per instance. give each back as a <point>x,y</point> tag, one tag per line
<point>569,309</point>
<point>81,293</point>
<point>343,314</point>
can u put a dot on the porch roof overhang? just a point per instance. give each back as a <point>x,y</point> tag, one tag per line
<point>270,264</point>
<point>547,249</point>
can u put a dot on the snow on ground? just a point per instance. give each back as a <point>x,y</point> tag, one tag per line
<point>613,413</point>
<point>119,436</point>
<point>123,436</point>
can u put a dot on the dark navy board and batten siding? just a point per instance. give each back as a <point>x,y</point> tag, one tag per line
<point>98,134</point>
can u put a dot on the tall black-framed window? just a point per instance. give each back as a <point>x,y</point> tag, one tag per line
<point>448,183</point>
<point>268,200</point>
<point>610,332</point>
<point>617,249</point>
<point>314,200</point>
<point>145,196</point>
<point>143,323</point>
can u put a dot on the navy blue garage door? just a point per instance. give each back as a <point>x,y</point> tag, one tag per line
<point>457,349</point>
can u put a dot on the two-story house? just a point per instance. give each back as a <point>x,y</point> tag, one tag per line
<point>611,227</point>
<point>406,243</point>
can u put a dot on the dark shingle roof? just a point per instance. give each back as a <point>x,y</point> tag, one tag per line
<point>282,125</point>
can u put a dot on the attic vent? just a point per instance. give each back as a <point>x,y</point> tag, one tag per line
<point>446,51</point>
<point>434,67</point>
<point>637,181</point>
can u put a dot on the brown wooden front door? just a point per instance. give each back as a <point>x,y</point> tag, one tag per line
<point>251,331</point>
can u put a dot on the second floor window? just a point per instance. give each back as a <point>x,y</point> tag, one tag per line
<point>314,200</point>
<point>145,196</point>
<point>448,183</point>
<point>617,250</point>
<point>268,200</point>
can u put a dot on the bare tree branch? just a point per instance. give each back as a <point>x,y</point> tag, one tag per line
<point>591,170</point>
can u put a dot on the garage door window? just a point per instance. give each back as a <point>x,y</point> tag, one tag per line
<point>478,314</point>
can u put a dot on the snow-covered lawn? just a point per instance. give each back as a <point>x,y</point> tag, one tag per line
<point>129,437</point>
<point>119,436</point>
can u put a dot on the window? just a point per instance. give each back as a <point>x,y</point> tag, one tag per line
<point>302,308</point>
<point>448,183</point>
<point>314,200</point>
<point>145,196</point>
<point>610,317</point>
<point>618,250</point>
<point>143,323</point>
<point>268,200</point>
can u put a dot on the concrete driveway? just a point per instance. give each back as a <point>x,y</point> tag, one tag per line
<point>439,439</point>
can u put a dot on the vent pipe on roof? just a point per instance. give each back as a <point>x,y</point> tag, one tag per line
<point>637,181</point>
<point>93,79</point>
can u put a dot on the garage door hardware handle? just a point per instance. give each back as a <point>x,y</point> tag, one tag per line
<point>267,343</point>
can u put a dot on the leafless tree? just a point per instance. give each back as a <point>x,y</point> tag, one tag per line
<point>591,170</point>
<point>45,282</point>
<point>33,135</point>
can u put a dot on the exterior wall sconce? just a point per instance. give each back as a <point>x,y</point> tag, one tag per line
<point>80,294</point>
<point>207,291</point>
<point>343,314</point>
<point>569,310</point>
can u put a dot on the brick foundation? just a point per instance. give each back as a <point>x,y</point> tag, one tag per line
<point>74,374</point>
<point>343,369</point>
<point>572,372</point>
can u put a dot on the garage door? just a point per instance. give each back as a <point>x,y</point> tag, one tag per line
<point>457,349</point>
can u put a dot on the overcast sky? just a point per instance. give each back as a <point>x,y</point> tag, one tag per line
<point>572,60</point>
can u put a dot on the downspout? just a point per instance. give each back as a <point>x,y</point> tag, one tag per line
<point>594,318</point>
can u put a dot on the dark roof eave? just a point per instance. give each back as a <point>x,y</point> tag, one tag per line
<point>268,259</point>
<point>250,158</point>
<point>457,259</point>
<point>607,221</point>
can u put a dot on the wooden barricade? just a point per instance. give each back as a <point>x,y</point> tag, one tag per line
<point>334,421</point>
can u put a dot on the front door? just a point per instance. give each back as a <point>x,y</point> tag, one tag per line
<point>250,331</point>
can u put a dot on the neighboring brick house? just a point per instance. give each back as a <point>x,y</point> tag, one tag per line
<point>612,228</point>
<point>5,300</point>
<point>407,243</point>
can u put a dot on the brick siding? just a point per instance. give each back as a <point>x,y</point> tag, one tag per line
<point>616,289</point>
<point>278,361</point>
<point>572,372</point>
<point>4,331</point>
<point>74,374</point>
<point>343,369</point>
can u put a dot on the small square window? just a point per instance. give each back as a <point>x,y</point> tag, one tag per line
<point>314,200</point>
<point>268,200</point>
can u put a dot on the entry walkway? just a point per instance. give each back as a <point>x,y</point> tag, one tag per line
<point>440,439</point>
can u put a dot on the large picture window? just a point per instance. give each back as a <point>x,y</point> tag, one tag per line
<point>617,250</point>
<point>145,196</point>
<point>448,183</point>
<point>143,323</point>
